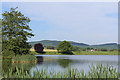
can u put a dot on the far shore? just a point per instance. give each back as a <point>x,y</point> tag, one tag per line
<point>54,52</point>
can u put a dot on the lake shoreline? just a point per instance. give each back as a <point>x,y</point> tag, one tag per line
<point>79,53</point>
<point>60,63</point>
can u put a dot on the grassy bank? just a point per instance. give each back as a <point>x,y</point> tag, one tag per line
<point>24,59</point>
<point>98,71</point>
<point>28,58</point>
<point>79,53</point>
<point>96,53</point>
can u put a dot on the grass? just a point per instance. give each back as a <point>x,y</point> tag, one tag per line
<point>47,53</point>
<point>79,53</point>
<point>18,60</point>
<point>23,59</point>
<point>98,71</point>
<point>96,53</point>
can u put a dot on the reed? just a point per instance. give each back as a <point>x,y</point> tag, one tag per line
<point>98,71</point>
<point>23,59</point>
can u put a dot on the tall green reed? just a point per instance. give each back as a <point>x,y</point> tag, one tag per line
<point>98,71</point>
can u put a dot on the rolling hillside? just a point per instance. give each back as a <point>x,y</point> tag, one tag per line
<point>106,46</point>
<point>81,45</point>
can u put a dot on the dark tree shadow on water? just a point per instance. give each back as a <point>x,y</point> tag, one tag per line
<point>11,68</point>
<point>6,64</point>
<point>64,62</point>
<point>39,59</point>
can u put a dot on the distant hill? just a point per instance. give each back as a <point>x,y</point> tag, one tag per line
<point>81,45</point>
<point>46,42</point>
<point>106,46</point>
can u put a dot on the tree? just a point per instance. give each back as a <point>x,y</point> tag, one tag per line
<point>64,47</point>
<point>104,49</point>
<point>38,48</point>
<point>50,47</point>
<point>15,31</point>
<point>76,48</point>
<point>88,48</point>
<point>0,35</point>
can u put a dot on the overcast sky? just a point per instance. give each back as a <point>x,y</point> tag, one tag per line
<point>84,22</point>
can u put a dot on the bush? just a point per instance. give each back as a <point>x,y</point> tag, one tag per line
<point>104,50</point>
<point>75,48</point>
<point>24,58</point>
<point>50,47</point>
<point>38,48</point>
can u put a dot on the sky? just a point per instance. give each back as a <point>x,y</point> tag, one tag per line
<point>84,22</point>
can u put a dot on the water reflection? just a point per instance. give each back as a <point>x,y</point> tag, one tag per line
<point>25,66</point>
<point>64,62</point>
<point>7,65</point>
<point>39,59</point>
<point>60,63</point>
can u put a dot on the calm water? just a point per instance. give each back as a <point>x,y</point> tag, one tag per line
<point>61,63</point>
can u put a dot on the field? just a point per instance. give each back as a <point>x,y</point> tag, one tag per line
<point>54,52</point>
<point>46,50</point>
<point>96,53</point>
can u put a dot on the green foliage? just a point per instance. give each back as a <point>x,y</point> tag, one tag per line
<point>80,53</point>
<point>15,31</point>
<point>7,53</point>
<point>96,53</point>
<point>24,58</point>
<point>97,72</point>
<point>76,48</point>
<point>81,45</point>
<point>88,48</point>
<point>104,50</point>
<point>50,47</point>
<point>47,53</point>
<point>64,47</point>
<point>101,71</point>
<point>64,62</point>
<point>0,36</point>
<point>25,62</point>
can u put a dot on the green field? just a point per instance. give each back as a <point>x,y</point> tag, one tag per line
<point>80,53</point>
<point>96,53</point>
